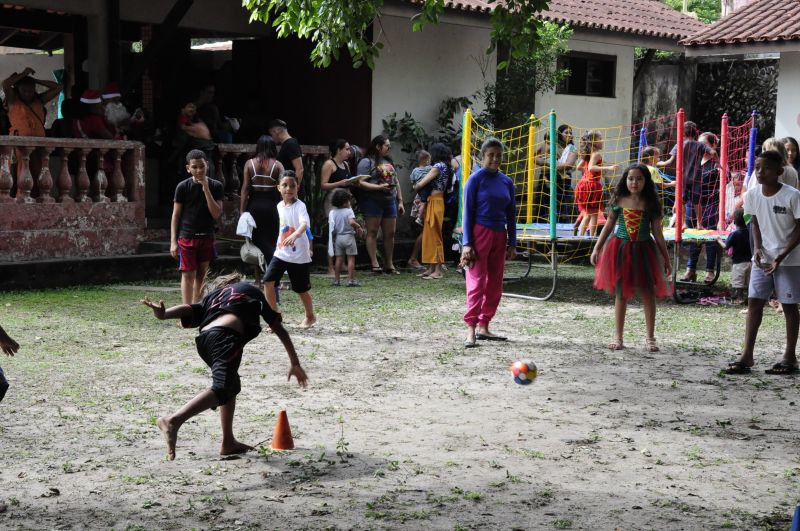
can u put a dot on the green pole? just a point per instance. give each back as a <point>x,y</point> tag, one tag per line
<point>553,175</point>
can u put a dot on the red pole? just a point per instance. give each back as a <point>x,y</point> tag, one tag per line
<point>679,179</point>
<point>723,172</point>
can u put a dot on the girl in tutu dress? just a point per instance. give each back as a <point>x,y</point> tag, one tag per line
<point>631,255</point>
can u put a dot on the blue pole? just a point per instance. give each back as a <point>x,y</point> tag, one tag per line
<point>642,143</point>
<point>796,519</point>
<point>751,150</point>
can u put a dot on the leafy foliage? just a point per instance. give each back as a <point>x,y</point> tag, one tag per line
<point>707,11</point>
<point>336,25</point>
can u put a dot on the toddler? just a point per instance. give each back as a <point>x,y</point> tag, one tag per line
<point>418,209</point>
<point>738,247</point>
<point>343,230</point>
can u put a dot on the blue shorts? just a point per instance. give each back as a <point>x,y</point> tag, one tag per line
<point>784,281</point>
<point>378,208</point>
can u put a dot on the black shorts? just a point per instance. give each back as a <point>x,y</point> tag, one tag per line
<point>3,385</point>
<point>299,274</point>
<point>221,349</point>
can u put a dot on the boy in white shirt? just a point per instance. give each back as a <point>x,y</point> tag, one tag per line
<point>775,211</point>
<point>343,230</point>
<point>292,252</point>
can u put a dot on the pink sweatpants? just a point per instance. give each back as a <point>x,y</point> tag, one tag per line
<point>485,276</point>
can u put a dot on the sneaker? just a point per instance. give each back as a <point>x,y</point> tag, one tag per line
<point>336,283</point>
<point>353,284</point>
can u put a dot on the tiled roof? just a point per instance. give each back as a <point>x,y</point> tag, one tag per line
<point>760,21</point>
<point>639,17</point>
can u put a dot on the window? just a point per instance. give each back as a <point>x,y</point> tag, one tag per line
<point>590,74</point>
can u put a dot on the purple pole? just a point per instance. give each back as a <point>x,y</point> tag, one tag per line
<point>751,150</point>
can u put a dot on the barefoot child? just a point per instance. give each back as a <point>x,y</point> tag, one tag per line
<point>343,230</point>
<point>10,347</point>
<point>292,252</point>
<point>228,318</point>
<point>775,211</point>
<point>634,258</point>
<point>589,190</point>
<point>198,204</point>
<point>738,247</point>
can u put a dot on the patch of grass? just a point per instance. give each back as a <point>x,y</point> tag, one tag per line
<point>563,523</point>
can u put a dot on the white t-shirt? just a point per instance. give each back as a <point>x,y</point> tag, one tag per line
<point>776,217</point>
<point>339,223</point>
<point>291,217</point>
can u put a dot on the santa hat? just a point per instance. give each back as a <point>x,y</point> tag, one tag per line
<point>91,96</point>
<point>111,91</point>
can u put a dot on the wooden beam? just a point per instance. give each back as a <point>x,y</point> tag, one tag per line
<point>11,32</point>
<point>162,37</point>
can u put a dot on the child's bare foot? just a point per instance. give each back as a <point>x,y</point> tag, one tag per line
<point>234,447</point>
<point>308,322</point>
<point>170,432</point>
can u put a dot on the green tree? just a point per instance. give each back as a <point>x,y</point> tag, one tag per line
<point>707,11</point>
<point>336,25</point>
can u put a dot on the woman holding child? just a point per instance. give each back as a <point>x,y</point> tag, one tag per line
<point>335,174</point>
<point>490,238</point>
<point>431,189</point>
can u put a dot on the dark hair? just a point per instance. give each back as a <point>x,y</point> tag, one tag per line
<point>27,80</point>
<point>196,154</point>
<point>489,143</point>
<point>277,124</point>
<point>649,151</point>
<point>588,140</point>
<point>375,145</point>
<point>336,145</point>
<point>290,174</point>
<point>441,153</point>
<point>690,129</point>
<point>422,155</point>
<point>791,140</point>
<point>712,138</point>
<point>266,148</point>
<point>651,200</point>
<point>773,158</point>
<point>738,218</point>
<point>560,139</point>
<point>340,197</point>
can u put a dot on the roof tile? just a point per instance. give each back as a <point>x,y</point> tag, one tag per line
<point>759,21</point>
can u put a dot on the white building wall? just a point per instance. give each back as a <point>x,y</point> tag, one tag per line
<point>585,112</point>
<point>416,71</point>
<point>787,111</point>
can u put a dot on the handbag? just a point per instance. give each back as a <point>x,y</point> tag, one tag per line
<point>251,254</point>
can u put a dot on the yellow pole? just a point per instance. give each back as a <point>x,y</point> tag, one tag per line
<point>531,170</point>
<point>466,146</point>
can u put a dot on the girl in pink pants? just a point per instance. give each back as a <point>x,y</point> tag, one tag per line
<point>490,233</point>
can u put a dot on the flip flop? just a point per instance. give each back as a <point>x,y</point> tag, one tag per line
<point>484,337</point>
<point>737,367</point>
<point>782,369</point>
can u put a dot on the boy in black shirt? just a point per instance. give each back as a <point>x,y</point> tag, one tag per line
<point>738,246</point>
<point>228,318</point>
<point>198,204</point>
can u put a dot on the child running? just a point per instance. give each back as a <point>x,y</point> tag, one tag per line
<point>198,204</point>
<point>775,211</point>
<point>10,347</point>
<point>343,230</point>
<point>636,257</point>
<point>589,190</point>
<point>228,318</point>
<point>292,252</point>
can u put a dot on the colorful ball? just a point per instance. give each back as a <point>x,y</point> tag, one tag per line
<point>524,372</point>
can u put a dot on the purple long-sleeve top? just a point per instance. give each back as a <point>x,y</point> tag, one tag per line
<point>489,202</point>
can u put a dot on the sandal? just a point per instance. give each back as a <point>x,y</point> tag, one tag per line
<point>737,367</point>
<point>689,276</point>
<point>709,278</point>
<point>650,345</point>
<point>782,369</point>
<point>377,270</point>
<point>616,344</point>
<point>391,271</point>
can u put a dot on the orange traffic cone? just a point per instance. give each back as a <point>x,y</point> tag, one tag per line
<point>282,436</point>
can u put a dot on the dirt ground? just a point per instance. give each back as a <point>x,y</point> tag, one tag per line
<point>401,427</point>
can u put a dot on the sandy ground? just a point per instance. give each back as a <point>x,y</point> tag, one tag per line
<point>401,427</point>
